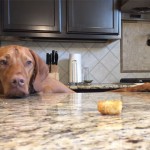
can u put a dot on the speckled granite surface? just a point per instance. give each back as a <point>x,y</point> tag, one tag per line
<point>71,121</point>
<point>102,86</point>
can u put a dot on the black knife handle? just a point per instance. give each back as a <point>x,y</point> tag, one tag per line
<point>47,58</point>
<point>56,58</point>
<point>53,57</point>
<point>50,58</point>
<point>50,62</point>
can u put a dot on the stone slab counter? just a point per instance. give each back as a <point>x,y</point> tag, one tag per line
<point>72,121</point>
<point>100,87</point>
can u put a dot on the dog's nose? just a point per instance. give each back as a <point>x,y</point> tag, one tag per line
<point>18,82</point>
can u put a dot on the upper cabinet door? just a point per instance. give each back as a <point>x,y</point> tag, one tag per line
<point>93,16</point>
<point>31,15</point>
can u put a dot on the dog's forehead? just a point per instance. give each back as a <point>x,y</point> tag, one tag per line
<point>15,50</point>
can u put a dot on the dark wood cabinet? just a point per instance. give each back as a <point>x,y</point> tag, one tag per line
<point>31,15</point>
<point>60,19</point>
<point>93,16</point>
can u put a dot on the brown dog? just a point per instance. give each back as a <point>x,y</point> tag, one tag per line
<point>145,87</point>
<point>23,72</point>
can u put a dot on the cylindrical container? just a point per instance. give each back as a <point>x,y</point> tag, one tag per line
<point>86,74</point>
<point>75,68</point>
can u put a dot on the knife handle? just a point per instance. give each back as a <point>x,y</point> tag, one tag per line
<point>53,57</point>
<point>56,58</point>
<point>47,58</point>
<point>50,62</point>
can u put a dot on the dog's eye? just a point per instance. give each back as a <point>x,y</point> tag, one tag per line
<point>3,62</point>
<point>29,62</point>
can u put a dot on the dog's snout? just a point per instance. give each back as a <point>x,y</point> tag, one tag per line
<point>18,81</point>
<point>17,87</point>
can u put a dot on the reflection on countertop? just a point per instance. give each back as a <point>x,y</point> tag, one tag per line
<point>71,121</point>
<point>101,86</point>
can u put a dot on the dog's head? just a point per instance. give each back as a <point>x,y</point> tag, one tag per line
<point>21,71</point>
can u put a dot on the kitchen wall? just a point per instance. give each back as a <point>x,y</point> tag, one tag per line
<point>103,59</point>
<point>135,52</point>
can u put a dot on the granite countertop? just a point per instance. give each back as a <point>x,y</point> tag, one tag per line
<point>71,121</point>
<point>102,86</point>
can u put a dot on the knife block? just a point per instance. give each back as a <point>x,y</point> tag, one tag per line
<point>54,72</point>
<point>54,68</point>
<point>54,75</point>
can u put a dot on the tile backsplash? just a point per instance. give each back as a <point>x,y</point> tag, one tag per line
<point>136,47</point>
<point>103,59</point>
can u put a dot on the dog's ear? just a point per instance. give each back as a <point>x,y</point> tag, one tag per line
<point>1,88</point>
<point>40,72</point>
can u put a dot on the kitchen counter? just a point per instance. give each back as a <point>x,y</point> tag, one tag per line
<point>100,87</point>
<point>71,121</point>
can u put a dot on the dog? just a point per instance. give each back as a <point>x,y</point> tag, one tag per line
<point>145,87</point>
<point>23,72</point>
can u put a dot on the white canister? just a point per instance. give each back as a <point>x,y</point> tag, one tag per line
<point>75,68</point>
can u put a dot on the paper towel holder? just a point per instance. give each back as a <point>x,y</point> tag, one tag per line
<point>75,68</point>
